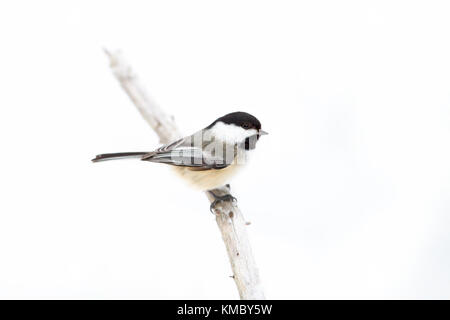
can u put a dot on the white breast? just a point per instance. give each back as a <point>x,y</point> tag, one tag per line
<point>208,179</point>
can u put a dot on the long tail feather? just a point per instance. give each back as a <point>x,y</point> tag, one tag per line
<point>116,156</point>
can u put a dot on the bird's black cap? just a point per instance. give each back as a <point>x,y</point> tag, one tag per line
<point>240,119</point>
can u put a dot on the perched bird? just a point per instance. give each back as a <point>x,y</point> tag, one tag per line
<point>208,158</point>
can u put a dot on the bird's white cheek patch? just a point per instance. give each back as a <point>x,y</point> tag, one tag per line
<point>231,133</point>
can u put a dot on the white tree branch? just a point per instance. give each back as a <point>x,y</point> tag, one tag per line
<point>162,124</point>
<point>228,216</point>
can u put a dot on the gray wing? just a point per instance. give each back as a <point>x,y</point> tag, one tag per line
<point>184,153</point>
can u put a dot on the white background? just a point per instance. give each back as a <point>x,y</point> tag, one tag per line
<point>348,196</point>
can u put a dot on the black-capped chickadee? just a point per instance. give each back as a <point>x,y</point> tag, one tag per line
<point>208,158</point>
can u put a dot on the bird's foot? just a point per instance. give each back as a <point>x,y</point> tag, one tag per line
<point>218,199</point>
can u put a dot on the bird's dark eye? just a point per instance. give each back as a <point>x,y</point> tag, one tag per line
<point>246,125</point>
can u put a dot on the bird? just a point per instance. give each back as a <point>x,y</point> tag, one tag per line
<point>208,158</point>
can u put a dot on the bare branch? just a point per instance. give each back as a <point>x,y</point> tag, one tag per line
<point>162,124</point>
<point>228,216</point>
<point>232,225</point>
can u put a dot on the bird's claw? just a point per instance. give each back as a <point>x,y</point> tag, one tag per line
<point>213,206</point>
<point>218,199</point>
